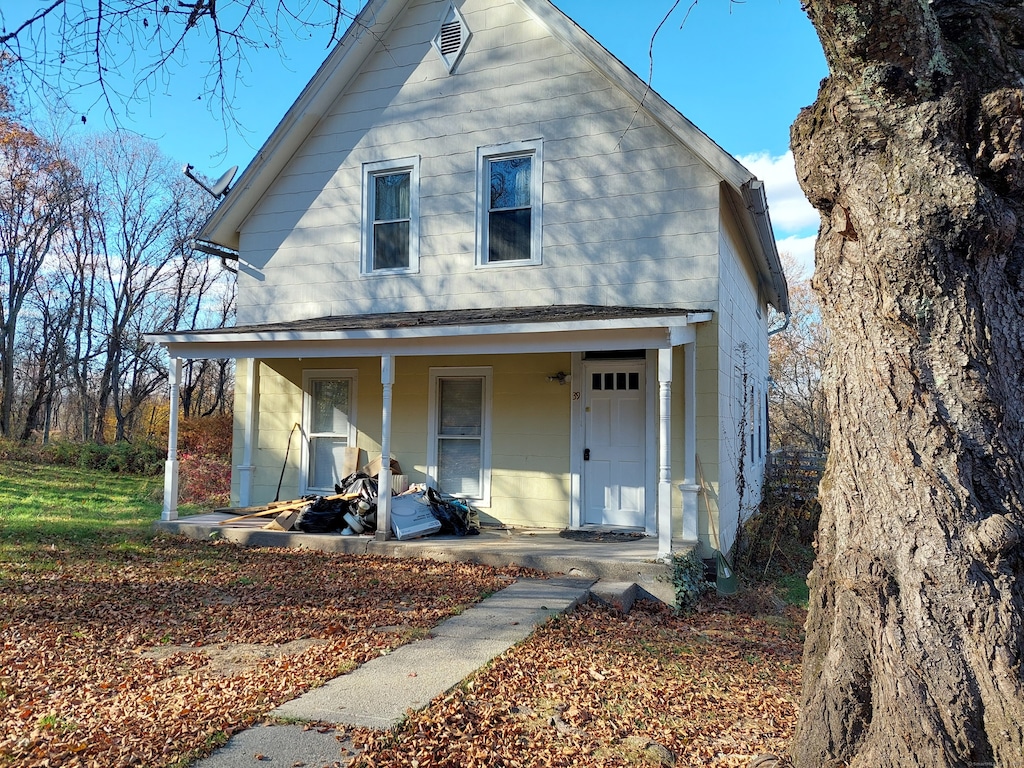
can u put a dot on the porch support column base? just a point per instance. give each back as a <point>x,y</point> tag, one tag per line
<point>664,529</point>
<point>170,510</point>
<point>689,532</point>
<point>245,473</point>
<point>665,454</point>
<point>387,378</point>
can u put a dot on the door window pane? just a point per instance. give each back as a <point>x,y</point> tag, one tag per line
<point>461,407</point>
<point>330,407</point>
<point>327,456</point>
<point>458,467</point>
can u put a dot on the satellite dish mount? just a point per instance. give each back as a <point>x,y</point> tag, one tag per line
<point>220,186</point>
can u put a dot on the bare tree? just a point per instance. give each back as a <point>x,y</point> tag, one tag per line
<point>796,359</point>
<point>78,271</point>
<point>63,46</point>
<point>139,197</point>
<point>198,284</point>
<point>914,156</point>
<point>37,191</point>
<point>45,359</point>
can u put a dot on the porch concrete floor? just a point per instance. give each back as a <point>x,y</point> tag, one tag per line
<point>631,561</point>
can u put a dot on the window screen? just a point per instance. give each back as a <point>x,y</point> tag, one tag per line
<point>460,411</point>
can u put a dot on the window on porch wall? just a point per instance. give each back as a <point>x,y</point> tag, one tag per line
<point>329,425</point>
<point>460,434</point>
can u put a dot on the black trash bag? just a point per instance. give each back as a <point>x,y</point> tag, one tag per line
<point>361,483</point>
<point>346,482</point>
<point>453,515</point>
<point>321,516</point>
<point>467,512</point>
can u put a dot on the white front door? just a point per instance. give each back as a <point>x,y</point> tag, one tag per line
<point>614,444</point>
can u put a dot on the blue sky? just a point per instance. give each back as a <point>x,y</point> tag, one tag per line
<point>740,71</point>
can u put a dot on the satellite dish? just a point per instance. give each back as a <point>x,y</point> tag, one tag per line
<point>220,187</point>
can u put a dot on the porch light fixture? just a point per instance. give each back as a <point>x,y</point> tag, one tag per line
<point>561,377</point>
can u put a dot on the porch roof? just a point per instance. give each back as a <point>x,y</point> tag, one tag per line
<point>570,327</point>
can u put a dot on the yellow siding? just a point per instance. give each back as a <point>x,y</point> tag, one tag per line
<point>530,428</point>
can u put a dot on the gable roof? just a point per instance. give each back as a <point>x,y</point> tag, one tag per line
<point>369,28</point>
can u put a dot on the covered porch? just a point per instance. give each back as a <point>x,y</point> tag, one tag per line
<point>663,340</point>
<point>609,559</point>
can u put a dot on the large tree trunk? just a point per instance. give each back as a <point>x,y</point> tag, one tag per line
<point>914,156</point>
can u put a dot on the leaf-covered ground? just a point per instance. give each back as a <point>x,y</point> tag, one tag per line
<point>143,654</point>
<point>120,649</point>
<point>150,656</point>
<point>595,688</point>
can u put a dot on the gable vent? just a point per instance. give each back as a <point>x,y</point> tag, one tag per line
<point>451,38</point>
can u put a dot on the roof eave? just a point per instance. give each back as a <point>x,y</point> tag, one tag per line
<point>299,121</point>
<point>658,331</point>
<point>756,203</point>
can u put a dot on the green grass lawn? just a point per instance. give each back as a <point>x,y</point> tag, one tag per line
<point>48,512</point>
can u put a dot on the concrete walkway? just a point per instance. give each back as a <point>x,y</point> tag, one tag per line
<point>378,693</point>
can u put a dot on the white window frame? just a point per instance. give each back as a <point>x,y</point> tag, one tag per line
<point>308,377</point>
<point>475,372</point>
<point>410,165</point>
<point>534,149</point>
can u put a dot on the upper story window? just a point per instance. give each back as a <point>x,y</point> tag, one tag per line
<point>509,184</point>
<point>391,216</point>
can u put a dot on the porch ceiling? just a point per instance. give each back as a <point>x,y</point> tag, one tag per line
<point>562,328</point>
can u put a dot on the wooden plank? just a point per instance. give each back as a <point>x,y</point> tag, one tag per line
<point>283,522</point>
<point>350,464</point>
<point>296,505</point>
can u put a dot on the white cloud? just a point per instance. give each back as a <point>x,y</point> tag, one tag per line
<point>793,218</point>
<point>802,251</point>
<point>790,212</point>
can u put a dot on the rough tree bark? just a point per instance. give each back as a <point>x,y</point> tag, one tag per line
<point>914,155</point>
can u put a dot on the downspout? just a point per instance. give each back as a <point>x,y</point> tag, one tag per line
<point>781,328</point>
<point>224,254</point>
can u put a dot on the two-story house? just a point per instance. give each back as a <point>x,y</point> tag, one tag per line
<point>479,243</point>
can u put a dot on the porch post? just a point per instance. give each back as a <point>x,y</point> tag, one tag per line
<point>387,379</point>
<point>665,454</point>
<point>170,511</point>
<point>689,486</point>
<point>249,426</point>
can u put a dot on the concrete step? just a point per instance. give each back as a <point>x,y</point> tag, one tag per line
<point>619,595</point>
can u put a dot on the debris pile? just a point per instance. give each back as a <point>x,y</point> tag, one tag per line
<point>352,510</point>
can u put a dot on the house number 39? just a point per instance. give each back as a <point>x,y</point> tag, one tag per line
<point>575,395</point>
